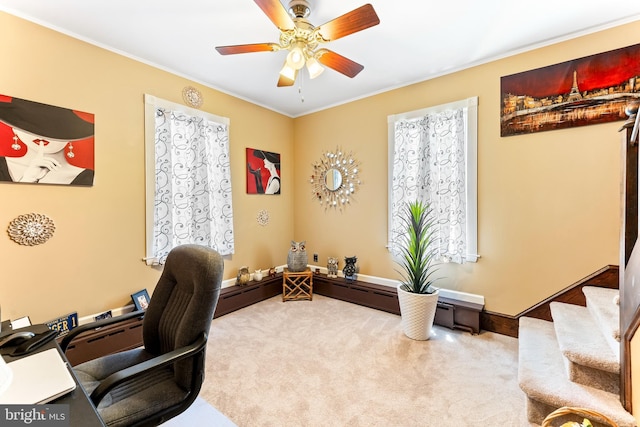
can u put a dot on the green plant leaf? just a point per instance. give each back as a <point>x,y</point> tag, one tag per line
<point>417,254</point>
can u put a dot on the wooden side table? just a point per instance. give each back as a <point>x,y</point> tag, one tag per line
<point>297,285</point>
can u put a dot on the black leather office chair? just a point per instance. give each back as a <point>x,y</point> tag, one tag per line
<point>148,385</point>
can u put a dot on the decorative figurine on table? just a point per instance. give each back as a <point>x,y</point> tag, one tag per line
<point>272,272</point>
<point>350,268</point>
<point>332,267</point>
<point>257,275</point>
<point>243,276</point>
<point>297,259</point>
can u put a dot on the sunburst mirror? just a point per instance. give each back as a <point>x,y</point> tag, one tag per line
<point>335,179</point>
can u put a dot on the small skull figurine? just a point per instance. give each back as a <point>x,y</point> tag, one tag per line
<point>332,267</point>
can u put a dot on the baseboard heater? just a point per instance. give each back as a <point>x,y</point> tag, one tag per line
<point>457,315</point>
<point>456,310</point>
<point>235,297</point>
<point>106,340</point>
<point>128,334</point>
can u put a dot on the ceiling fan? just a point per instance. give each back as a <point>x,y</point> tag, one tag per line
<point>302,39</point>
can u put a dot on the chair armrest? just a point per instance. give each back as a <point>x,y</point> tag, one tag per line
<point>149,365</point>
<point>96,325</point>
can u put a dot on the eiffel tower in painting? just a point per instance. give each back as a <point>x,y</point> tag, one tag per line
<point>575,92</point>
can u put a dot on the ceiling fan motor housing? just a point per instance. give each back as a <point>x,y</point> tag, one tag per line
<point>299,8</point>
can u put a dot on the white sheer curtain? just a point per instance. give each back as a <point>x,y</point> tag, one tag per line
<point>430,162</point>
<point>192,191</point>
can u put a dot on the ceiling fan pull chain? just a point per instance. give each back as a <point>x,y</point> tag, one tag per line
<point>301,80</point>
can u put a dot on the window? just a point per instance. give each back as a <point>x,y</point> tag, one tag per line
<point>188,180</point>
<point>433,157</point>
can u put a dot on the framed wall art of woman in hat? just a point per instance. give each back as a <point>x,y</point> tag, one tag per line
<point>38,143</point>
<point>266,176</point>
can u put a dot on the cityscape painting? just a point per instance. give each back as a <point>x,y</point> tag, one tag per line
<point>585,91</point>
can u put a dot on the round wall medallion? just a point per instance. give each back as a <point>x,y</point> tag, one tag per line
<point>31,229</point>
<point>192,97</point>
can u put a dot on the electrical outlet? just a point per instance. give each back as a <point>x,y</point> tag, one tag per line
<point>315,257</point>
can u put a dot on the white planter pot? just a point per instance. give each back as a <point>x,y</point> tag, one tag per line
<point>417,312</point>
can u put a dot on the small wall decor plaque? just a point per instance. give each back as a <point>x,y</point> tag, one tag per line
<point>31,229</point>
<point>192,97</point>
<point>263,217</point>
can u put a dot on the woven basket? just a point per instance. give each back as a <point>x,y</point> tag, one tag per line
<point>592,416</point>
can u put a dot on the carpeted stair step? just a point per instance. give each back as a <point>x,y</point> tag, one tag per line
<point>542,377</point>
<point>601,302</point>
<point>589,359</point>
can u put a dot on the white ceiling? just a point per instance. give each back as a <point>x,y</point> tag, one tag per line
<point>416,39</point>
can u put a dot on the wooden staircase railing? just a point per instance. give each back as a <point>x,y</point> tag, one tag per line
<point>606,277</point>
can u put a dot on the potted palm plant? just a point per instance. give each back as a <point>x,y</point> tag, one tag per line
<point>417,297</point>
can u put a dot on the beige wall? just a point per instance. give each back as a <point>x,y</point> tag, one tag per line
<point>93,261</point>
<point>548,212</point>
<point>548,202</point>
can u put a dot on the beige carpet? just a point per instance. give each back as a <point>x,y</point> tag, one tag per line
<point>331,363</point>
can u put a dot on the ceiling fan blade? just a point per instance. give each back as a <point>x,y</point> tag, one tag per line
<point>277,13</point>
<point>285,81</point>
<point>246,48</point>
<point>339,63</point>
<point>349,23</point>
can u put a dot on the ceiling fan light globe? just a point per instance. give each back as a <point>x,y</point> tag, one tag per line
<point>295,58</point>
<point>314,68</point>
<point>288,72</point>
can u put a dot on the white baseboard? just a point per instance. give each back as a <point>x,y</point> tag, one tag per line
<point>447,293</point>
<point>119,311</point>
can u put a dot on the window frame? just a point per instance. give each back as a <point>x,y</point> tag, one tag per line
<point>471,162</point>
<point>150,104</point>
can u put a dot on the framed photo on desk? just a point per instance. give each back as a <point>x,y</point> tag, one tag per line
<point>141,300</point>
